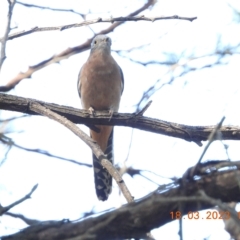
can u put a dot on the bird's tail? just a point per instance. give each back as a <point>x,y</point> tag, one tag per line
<point>103,180</point>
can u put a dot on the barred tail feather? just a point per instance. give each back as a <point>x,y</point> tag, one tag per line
<point>103,180</point>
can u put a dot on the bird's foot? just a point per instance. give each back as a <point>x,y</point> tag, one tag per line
<point>91,111</point>
<point>111,114</point>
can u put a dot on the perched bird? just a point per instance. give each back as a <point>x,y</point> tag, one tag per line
<point>100,86</point>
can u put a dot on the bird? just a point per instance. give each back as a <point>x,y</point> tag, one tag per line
<point>100,86</point>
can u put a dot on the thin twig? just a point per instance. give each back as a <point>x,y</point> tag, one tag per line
<point>4,39</point>
<point>12,118</point>
<point>5,209</point>
<point>48,8</point>
<point>89,141</point>
<point>98,20</point>
<point>211,138</point>
<point>5,155</point>
<point>184,65</point>
<point>144,109</point>
<point>8,141</point>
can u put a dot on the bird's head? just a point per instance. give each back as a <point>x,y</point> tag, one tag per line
<point>102,42</point>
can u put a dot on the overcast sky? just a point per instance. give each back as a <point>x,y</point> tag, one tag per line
<point>200,97</point>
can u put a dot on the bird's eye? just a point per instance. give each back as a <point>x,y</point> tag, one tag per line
<point>95,42</point>
<point>107,39</point>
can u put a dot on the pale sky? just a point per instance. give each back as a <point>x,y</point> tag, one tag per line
<point>199,97</point>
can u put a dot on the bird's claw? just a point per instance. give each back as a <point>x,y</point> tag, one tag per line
<point>111,114</point>
<point>91,111</point>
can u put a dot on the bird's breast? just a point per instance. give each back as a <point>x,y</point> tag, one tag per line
<point>101,83</point>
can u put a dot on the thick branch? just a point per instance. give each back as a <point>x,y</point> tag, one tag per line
<point>188,133</point>
<point>135,219</point>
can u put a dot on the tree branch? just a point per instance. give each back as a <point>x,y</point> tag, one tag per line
<point>48,8</point>
<point>5,209</point>
<point>4,39</point>
<point>214,135</point>
<point>36,107</point>
<point>28,221</point>
<point>185,132</point>
<point>98,20</point>
<point>166,204</point>
<point>67,53</point>
<point>8,141</point>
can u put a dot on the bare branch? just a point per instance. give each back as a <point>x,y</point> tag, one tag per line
<point>98,20</point>
<point>89,141</point>
<point>28,221</point>
<point>188,133</point>
<point>174,65</point>
<point>8,141</point>
<point>5,156</point>
<point>212,137</point>
<point>13,118</point>
<point>133,221</point>
<point>67,53</point>
<point>144,109</point>
<point>4,39</point>
<point>48,8</point>
<point>5,209</point>
<point>56,58</point>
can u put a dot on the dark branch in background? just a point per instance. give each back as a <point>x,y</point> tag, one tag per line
<point>67,53</point>
<point>5,209</point>
<point>8,141</point>
<point>36,107</point>
<point>98,20</point>
<point>188,133</point>
<point>48,8</point>
<point>4,39</point>
<point>133,221</point>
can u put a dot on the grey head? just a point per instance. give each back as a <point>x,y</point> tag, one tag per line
<point>102,42</point>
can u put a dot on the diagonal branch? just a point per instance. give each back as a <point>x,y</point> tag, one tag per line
<point>185,132</point>
<point>214,135</point>
<point>36,107</point>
